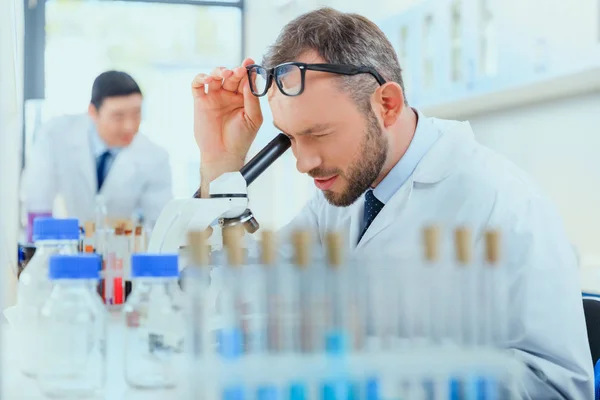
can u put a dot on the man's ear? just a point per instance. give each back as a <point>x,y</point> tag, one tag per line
<point>93,111</point>
<point>390,98</point>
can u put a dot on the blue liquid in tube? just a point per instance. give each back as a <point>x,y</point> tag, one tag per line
<point>267,392</point>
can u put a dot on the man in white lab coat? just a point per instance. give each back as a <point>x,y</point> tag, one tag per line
<point>385,170</point>
<point>99,153</point>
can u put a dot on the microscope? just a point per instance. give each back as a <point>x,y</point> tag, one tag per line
<point>226,206</point>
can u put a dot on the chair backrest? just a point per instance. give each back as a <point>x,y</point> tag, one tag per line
<point>591,308</point>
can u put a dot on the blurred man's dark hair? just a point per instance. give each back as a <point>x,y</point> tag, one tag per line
<point>113,84</point>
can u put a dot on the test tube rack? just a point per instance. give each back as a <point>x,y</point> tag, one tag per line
<point>332,326</point>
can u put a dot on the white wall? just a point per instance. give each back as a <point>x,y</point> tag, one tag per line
<point>558,143</point>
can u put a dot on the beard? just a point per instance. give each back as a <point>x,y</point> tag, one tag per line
<point>364,170</point>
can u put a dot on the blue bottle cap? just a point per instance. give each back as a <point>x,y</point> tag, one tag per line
<point>267,392</point>
<point>48,228</point>
<point>154,266</point>
<point>75,266</point>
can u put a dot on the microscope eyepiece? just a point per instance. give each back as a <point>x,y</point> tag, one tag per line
<point>267,156</point>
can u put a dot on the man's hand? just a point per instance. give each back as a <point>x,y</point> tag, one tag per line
<point>227,117</point>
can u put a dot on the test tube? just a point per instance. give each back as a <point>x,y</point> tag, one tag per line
<point>196,284</point>
<point>343,325</point>
<point>431,255</point>
<point>302,320</point>
<point>282,305</point>
<point>268,384</point>
<point>89,245</point>
<point>121,260</point>
<point>128,247</point>
<point>467,297</point>
<point>231,335</point>
<point>493,302</point>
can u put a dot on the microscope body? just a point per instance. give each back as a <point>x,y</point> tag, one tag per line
<point>228,202</point>
<point>226,205</point>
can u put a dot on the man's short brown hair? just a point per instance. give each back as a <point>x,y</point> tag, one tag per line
<point>340,38</point>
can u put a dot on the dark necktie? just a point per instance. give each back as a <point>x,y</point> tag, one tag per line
<point>372,207</point>
<point>101,168</point>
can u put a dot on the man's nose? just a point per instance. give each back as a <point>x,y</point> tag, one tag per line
<point>306,160</point>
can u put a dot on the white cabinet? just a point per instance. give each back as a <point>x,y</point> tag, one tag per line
<point>462,57</point>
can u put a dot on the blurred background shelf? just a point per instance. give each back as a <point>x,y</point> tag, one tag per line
<point>582,80</point>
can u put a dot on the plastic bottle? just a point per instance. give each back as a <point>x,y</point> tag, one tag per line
<point>154,322</point>
<point>51,236</point>
<point>72,351</point>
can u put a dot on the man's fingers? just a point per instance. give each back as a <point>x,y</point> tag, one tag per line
<point>198,88</point>
<point>252,108</point>
<point>232,82</point>
<point>214,84</point>
<point>247,62</point>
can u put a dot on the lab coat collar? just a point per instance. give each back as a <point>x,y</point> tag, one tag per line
<point>438,163</point>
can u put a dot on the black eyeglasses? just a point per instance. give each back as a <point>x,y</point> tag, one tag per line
<point>289,77</point>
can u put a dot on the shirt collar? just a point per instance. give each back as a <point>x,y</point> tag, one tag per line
<point>98,145</point>
<point>424,138</point>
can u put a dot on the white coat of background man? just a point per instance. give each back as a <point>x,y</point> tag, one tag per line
<point>385,170</point>
<point>101,152</point>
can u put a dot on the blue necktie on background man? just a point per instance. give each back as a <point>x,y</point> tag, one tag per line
<point>101,168</point>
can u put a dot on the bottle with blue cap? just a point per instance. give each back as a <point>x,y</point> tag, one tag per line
<point>72,350</point>
<point>51,236</point>
<point>154,322</point>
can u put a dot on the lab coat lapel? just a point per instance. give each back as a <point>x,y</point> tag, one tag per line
<point>80,151</point>
<point>120,174</point>
<point>355,214</point>
<point>388,214</point>
<point>435,166</point>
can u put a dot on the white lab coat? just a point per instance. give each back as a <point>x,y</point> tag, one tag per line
<point>62,163</point>
<point>460,182</point>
